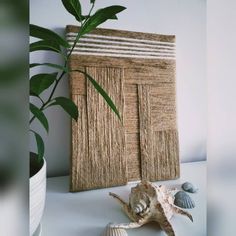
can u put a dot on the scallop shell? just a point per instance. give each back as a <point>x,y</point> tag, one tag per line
<point>110,231</point>
<point>183,200</point>
<point>188,187</point>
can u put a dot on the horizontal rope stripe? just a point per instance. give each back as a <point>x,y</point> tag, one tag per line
<point>140,50</point>
<point>71,34</point>
<point>101,45</point>
<point>123,47</point>
<point>122,55</point>
<point>69,39</point>
<point>123,52</point>
<point>122,42</point>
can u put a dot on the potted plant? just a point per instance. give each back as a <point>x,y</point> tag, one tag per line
<point>51,41</point>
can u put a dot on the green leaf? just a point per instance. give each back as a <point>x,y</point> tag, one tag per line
<point>114,17</point>
<point>39,115</point>
<point>92,1</point>
<point>33,94</point>
<point>68,105</point>
<point>99,17</point>
<point>40,82</point>
<point>74,8</point>
<point>45,45</point>
<point>46,34</point>
<point>83,17</point>
<point>40,145</point>
<point>49,65</point>
<point>102,92</point>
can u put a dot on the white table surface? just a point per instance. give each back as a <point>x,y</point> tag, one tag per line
<point>87,213</point>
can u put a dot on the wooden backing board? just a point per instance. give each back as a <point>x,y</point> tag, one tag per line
<point>144,144</point>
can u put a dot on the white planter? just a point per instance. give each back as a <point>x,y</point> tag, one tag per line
<point>37,197</point>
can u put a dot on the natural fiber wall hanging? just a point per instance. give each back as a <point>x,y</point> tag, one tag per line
<point>138,72</point>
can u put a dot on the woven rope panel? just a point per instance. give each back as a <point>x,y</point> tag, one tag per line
<point>138,72</point>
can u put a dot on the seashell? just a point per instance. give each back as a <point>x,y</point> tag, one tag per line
<point>188,187</point>
<point>140,207</point>
<point>148,203</point>
<point>114,231</point>
<point>183,200</point>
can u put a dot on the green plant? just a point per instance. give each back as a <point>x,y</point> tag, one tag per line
<point>51,41</point>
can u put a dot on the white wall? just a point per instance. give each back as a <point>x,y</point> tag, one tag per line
<point>184,18</point>
<point>222,82</point>
<point>221,53</point>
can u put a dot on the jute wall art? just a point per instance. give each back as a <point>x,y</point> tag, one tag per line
<point>138,72</point>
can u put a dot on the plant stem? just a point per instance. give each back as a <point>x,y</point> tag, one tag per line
<point>54,88</point>
<point>41,99</point>
<point>78,35</point>
<point>76,40</point>
<point>91,9</point>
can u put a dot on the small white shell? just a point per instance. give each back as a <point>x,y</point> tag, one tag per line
<point>183,200</point>
<point>110,231</point>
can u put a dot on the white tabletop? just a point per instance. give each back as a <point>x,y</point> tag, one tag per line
<point>87,213</point>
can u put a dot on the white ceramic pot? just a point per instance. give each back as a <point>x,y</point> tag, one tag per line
<point>37,197</point>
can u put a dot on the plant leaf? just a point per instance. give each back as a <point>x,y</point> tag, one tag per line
<point>33,94</point>
<point>45,45</point>
<point>74,8</point>
<point>40,82</point>
<point>40,145</point>
<point>92,1</point>
<point>32,65</point>
<point>46,34</point>
<point>114,17</point>
<point>83,17</point>
<point>101,91</point>
<point>39,115</point>
<point>99,17</point>
<point>68,105</point>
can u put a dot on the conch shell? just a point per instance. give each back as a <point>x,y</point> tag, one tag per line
<point>148,202</point>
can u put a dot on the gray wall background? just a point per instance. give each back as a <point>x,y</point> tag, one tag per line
<point>184,18</point>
